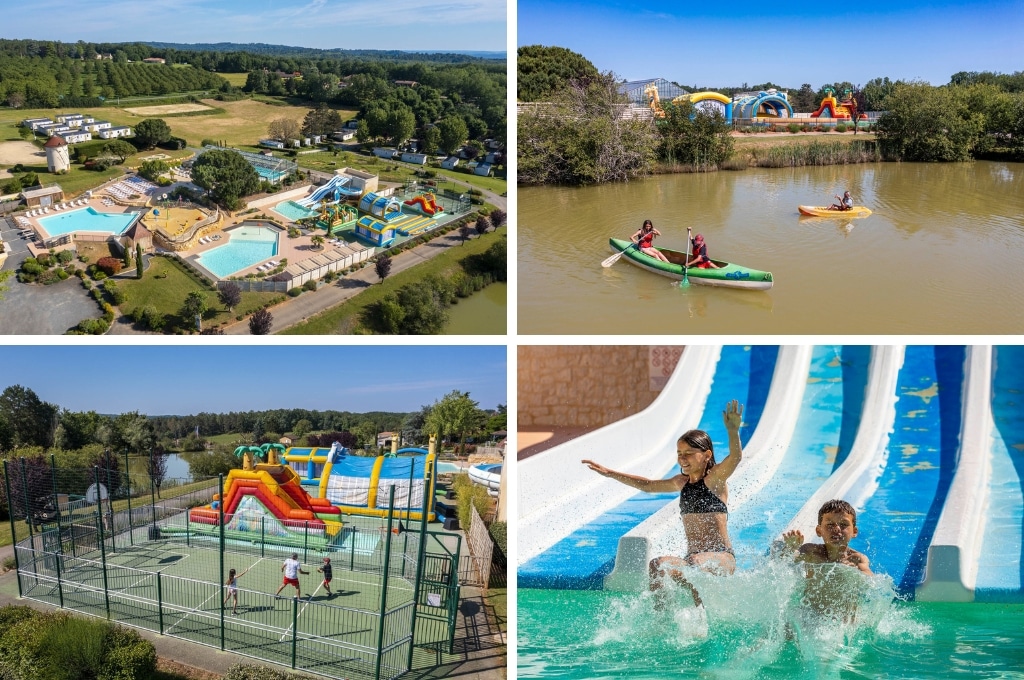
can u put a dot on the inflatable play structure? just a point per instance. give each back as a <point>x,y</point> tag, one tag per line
<point>380,234</point>
<point>764,104</point>
<point>830,108</point>
<point>425,203</point>
<point>384,207</point>
<point>266,498</point>
<point>712,102</point>
<point>337,216</point>
<point>358,485</point>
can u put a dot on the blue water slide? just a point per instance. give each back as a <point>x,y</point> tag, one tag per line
<point>897,521</point>
<point>336,183</point>
<point>1000,574</point>
<point>585,553</point>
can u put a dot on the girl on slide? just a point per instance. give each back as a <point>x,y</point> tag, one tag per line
<point>703,495</point>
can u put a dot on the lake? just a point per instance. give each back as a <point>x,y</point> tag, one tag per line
<point>485,312</point>
<point>939,255</point>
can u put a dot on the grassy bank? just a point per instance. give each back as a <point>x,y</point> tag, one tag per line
<point>345,317</point>
<point>785,150</point>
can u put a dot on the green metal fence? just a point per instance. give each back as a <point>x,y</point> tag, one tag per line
<point>146,564</point>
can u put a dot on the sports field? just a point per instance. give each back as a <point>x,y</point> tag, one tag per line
<point>171,582</point>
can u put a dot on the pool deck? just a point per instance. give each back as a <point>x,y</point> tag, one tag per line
<point>97,203</point>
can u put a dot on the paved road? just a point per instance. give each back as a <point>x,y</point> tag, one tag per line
<point>29,309</point>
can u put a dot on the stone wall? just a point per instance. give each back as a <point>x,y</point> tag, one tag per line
<point>584,386</point>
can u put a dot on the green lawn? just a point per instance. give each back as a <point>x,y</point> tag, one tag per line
<point>167,283</point>
<point>236,79</point>
<point>345,317</point>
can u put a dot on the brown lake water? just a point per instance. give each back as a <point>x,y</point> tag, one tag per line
<point>942,252</point>
<point>485,312</point>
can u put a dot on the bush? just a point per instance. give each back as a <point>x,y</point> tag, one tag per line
<point>65,256</point>
<point>309,285</point>
<point>793,128</point>
<point>295,292</point>
<point>110,265</point>
<point>248,671</point>
<point>127,656</point>
<point>499,533</point>
<point>467,495</point>
<point>840,127</point>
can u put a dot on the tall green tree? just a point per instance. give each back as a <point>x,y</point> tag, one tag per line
<point>543,72</point>
<point>226,175</point>
<point>455,414</point>
<point>194,307</point>
<point>453,132</point>
<point>925,123</point>
<point>321,121</point>
<point>119,149</point>
<point>700,138</point>
<point>150,132</point>
<point>31,420</point>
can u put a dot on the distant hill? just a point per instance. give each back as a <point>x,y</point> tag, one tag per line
<point>295,51</point>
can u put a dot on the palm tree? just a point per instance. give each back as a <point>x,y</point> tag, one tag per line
<point>317,241</point>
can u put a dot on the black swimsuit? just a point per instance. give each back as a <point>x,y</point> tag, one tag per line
<point>697,498</point>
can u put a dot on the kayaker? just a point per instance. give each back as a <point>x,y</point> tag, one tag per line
<point>845,202</point>
<point>644,239</point>
<point>703,494</point>
<point>699,253</point>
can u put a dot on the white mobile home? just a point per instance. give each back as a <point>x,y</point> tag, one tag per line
<point>384,152</point>
<point>75,136</point>
<point>417,158</point>
<point>114,132</point>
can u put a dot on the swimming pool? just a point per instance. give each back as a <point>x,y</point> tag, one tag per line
<point>445,466</point>
<point>87,219</point>
<point>293,211</point>
<point>268,174</point>
<point>248,245</point>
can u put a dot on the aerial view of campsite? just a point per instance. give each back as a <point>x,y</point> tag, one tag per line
<point>230,188</point>
<point>791,185</point>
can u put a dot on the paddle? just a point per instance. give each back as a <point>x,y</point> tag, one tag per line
<point>685,283</point>
<point>615,258</point>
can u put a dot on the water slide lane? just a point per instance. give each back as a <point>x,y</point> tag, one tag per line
<point>826,426</point>
<point>1001,563</point>
<point>587,554</point>
<point>898,519</point>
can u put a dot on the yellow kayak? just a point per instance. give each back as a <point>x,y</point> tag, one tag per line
<point>825,211</point>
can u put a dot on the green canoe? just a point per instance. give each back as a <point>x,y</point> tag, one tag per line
<point>728,275</point>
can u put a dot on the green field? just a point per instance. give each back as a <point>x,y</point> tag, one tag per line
<point>345,317</point>
<point>165,286</point>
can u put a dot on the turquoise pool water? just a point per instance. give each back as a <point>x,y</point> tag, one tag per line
<point>86,219</point>
<point>755,630</point>
<point>445,466</point>
<point>248,246</point>
<point>293,211</point>
<point>272,175</point>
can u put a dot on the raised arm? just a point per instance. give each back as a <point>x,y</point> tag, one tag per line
<point>733,417</point>
<point>636,481</point>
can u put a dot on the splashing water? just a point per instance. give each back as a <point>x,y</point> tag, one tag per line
<point>757,623</point>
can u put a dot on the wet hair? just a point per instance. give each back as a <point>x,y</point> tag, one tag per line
<point>836,505</point>
<point>699,439</point>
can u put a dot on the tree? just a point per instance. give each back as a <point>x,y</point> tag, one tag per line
<point>698,138</point>
<point>261,322</point>
<point>152,170</point>
<point>302,428</point>
<point>453,133</point>
<point>138,260</point>
<point>543,72</point>
<point>156,468</point>
<point>497,217</point>
<point>580,138</point>
<point>454,414</point>
<point>321,121</point>
<point>382,265</point>
<point>226,175</point>
<point>150,132</point>
<point>258,430</point>
<point>119,149</point>
<point>317,241</point>
<point>481,225</point>
<point>132,431</point>
<point>126,257</point>
<point>32,421</point>
<point>366,433</point>
<point>284,129</point>
<point>431,139</point>
<point>194,307</point>
<point>230,295</point>
<point>925,123</point>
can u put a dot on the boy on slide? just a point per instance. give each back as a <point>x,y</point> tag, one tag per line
<point>829,591</point>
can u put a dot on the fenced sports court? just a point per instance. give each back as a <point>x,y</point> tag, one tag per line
<point>395,584</point>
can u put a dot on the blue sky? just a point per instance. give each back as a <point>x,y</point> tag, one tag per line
<point>175,380</point>
<point>789,43</point>
<point>385,24</point>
